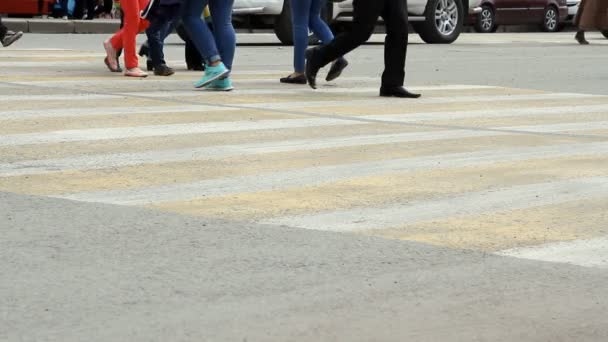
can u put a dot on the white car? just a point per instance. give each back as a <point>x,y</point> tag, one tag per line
<point>436,21</point>
<point>572,8</point>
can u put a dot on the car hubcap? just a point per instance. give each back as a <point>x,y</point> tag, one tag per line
<point>486,19</point>
<point>551,19</point>
<point>446,16</point>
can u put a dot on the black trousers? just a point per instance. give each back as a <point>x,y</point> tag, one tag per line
<point>3,29</point>
<point>81,5</point>
<point>365,17</point>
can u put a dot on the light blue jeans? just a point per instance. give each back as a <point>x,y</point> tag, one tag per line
<point>306,14</point>
<point>219,44</point>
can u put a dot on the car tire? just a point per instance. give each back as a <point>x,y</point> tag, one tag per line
<point>283,28</point>
<point>442,24</point>
<point>486,20</point>
<point>605,33</point>
<point>551,20</point>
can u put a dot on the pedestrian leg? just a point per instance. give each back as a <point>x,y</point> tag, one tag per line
<point>204,41</point>
<point>126,37</point>
<point>223,31</point>
<point>365,15</point>
<point>395,49</point>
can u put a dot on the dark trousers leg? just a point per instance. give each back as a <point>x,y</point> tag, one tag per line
<point>395,44</point>
<point>159,29</point>
<point>3,30</point>
<point>79,9</point>
<point>155,40</point>
<point>91,4</point>
<point>194,60</point>
<point>107,6</point>
<point>365,16</point>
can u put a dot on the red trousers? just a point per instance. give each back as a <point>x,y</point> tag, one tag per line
<point>133,25</point>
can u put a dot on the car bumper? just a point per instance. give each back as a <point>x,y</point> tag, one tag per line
<point>474,10</point>
<point>263,7</point>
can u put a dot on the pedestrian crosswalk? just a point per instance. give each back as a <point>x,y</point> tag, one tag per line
<point>476,167</point>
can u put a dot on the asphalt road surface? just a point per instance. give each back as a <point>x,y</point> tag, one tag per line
<point>143,210</point>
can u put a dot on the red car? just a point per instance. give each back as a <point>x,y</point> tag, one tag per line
<point>549,14</point>
<point>26,7</point>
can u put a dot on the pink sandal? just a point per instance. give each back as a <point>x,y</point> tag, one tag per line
<point>110,59</point>
<point>136,72</point>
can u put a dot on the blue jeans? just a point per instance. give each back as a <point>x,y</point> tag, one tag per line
<point>162,23</point>
<point>219,44</point>
<point>307,14</point>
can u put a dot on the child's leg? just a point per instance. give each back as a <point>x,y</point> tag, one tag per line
<point>155,45</point>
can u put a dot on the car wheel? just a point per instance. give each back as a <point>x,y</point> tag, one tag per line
<point>605,33</point>
<point>551,20</point>
<point>443,24</point>
<point>283,28</point>
<point>486,20</point>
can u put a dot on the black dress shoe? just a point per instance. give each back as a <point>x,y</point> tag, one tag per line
<point>149,65</point>
<point>397,92</point>
<point>312,66</point>
<point>336,69</point>
<point>300,79</point>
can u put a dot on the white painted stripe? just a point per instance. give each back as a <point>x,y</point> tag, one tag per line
<point>200,128</point>
<point>101,161</point>
<point>587,253</point>
<point>489,113</point>
<point>44,56</point>
<point>424,100</point>
<point>114,81</point>
<point>45,63</point>
<point>70,112</point>
<point>190,93</point>
<point>328,174</point>
<point>98,134</point>
<point>103,111</point>
<point>487,201</point>
<point>67,98</point>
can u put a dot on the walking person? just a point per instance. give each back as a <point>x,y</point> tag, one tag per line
<point>365,16</point>
<point>217,47</point>
<point>8,37</point>
<point>591,15</point>
<point>162,18</point>
<point>306,14</point>
<point>125,39</point>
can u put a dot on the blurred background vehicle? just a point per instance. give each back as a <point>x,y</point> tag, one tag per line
<point>550,15</point>
<point>28,8</point>
<point>573,6</point>
<point>436,21</point>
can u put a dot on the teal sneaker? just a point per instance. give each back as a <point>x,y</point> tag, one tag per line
<point>212,73</point>
<point>224,84</point>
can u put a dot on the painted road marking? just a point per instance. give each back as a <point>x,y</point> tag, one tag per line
<point>327,174</point>
<point>587,253</point>
<point>101,161</point>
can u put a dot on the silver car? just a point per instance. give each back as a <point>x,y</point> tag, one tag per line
<point>436,21</point>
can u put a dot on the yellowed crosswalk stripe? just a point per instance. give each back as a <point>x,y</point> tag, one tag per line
<point>572,220</point>
<point>338,158</point>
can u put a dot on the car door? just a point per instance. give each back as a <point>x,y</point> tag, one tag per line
<point>512,12</point>
<point>537,10</point>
